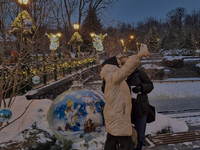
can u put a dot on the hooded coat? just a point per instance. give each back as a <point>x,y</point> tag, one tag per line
<point>117,110</point>
<point>140,105</point>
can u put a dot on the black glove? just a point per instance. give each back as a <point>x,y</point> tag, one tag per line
<point>137,89</point>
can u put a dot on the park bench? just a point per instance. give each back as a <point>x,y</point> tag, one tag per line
<point>172,138</point>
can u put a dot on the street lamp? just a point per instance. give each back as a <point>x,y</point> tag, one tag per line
<point>24,23</point>
<point>76,27</point>
<point>93,37</point>
<point>131,37</point>
<point>131,42</point>
<point>59,34</point>
<point>23,1</point>
<point>92,34</point>
<point>138,46</point>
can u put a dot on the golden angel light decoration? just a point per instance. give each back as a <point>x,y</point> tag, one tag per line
<point>98,41</point>
<point>54,39</point>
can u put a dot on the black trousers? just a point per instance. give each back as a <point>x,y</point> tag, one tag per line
<point>140,127</point>
<point>118,142</point>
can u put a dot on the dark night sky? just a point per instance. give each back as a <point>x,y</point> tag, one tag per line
<point>136,10</point>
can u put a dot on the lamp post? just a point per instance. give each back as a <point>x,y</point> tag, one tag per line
<point>76,28</point>
<point>131,37</point>
<point>131,41</point>
<point>92,34</point>
<point>76,39</point>
<point>23,3</point>
<point>138,46</point>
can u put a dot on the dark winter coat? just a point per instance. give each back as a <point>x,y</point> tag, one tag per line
<point>140,105</point>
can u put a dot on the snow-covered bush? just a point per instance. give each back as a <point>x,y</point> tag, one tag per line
<point>173,62</point>
<point>177,52</point>
<point>165,124</point>
<point>198,51</point>
<point>153,71</point>
<point>198,67</point>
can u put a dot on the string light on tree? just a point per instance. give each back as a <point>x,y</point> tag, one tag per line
<point>122,41</point>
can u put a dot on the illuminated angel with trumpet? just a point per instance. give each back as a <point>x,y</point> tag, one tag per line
<point>54,39</point>
<point>98,41</point>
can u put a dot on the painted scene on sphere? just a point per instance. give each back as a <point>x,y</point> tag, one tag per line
<point>76,115</point>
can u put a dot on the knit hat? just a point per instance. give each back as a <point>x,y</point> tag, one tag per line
<point>14,53</point>
<point>111,61</point>
<point>87,97</point>
<point>69,103</point>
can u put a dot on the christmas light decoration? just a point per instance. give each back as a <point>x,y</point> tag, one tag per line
<point>98,41</point>
<point>54,39</point>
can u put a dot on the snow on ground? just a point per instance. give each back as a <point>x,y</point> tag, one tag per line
<point>38,110</point>
<point>169,90</point>
<point>151,66</point>
<point>35,113</point>
<point>186,58</point>
<point>163,122</point>
<point>170,58</point>
<point>192,118</point>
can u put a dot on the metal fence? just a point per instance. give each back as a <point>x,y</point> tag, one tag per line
<point>46,69</point>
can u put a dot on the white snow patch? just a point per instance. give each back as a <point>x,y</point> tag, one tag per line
<point>170,58</point>
<point>152,66</point>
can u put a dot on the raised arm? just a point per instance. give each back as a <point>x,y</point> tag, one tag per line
<point>130,65</point>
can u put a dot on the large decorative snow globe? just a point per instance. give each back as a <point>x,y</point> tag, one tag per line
<point>77,115</point>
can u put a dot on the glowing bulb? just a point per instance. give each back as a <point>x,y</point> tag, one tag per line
<point>92,34</point>
<point>23,1</point>
<point>131,36</point>
<point>76,26</point>
<point>58,34</point>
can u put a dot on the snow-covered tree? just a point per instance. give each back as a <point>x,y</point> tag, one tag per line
<point>91,24</point>
<point>169,40</point>
<point>189,42</point>
<point>152,40</point>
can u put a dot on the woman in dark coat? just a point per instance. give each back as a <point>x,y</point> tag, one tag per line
<point>142,85</point>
